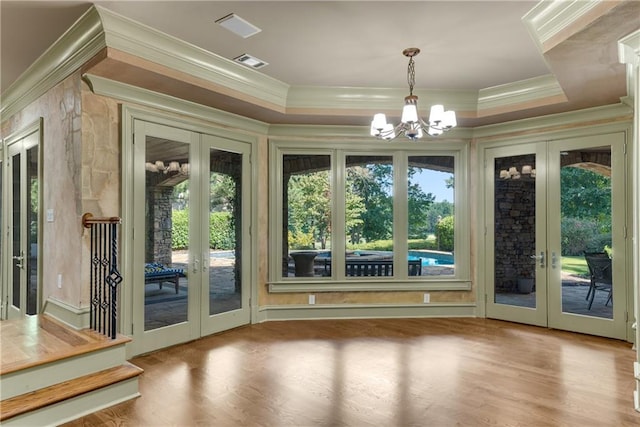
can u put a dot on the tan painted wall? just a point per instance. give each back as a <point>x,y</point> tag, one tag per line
<point>61,148</point>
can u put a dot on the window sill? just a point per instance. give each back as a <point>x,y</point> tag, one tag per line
<point>321,285</point>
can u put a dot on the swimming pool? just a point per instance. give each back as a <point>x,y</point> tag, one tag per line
<point>428,257</point>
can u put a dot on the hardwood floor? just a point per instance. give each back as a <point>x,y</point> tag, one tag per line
<point>391,372</point>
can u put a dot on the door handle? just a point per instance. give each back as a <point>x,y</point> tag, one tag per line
<point>539,257</point>
<point>19,259</point>
<point>554,260</point>
<point>196,264</point>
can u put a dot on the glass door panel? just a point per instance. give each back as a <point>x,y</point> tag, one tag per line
<point>24,196</point>
<point>226,249</point>
<point>225,231</point>
<point>166,278</point>
<point>17,248</point>
<point>586,240</point>
<point>515,253</point>
<point>585,230</point>
<point>516,238</point>
<point>31,211</point>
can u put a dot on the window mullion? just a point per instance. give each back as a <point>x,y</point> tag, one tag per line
<point>338,229</point>
<point>400,215</point>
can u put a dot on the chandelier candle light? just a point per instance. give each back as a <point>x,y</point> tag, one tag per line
<point>412,126</point>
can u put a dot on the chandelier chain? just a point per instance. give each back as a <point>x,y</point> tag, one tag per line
<point>411,75</point>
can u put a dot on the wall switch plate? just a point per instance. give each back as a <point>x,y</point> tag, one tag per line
<point>312,299</point>
<point>427,298</point>
<point>59,281</point>
<point>49,215</point>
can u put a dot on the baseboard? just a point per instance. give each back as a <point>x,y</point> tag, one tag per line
<point>77,318</point>
<point>364,311</point>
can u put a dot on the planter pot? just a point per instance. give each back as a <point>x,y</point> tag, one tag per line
<point>525,285</point>
<point>304,263</point>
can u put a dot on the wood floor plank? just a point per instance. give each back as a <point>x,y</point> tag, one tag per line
<point>390,372</point>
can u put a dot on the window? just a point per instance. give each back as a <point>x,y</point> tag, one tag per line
<point>346,219</point>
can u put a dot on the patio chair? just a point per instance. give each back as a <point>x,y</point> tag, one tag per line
<point>600,274</point>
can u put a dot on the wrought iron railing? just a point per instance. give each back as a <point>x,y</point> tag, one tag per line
<point>104,276</point>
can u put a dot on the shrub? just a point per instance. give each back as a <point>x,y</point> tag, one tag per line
<point>300,240</point>
<point>180,229</point>
<point>580,235</point>
<point>221,235</point>
<point>444,233</point>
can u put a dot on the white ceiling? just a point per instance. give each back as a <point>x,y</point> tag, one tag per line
<point>466,45</point>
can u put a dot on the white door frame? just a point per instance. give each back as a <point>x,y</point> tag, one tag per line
<point>26,138</point>
<point>127,318</point>
<point>621,196</point>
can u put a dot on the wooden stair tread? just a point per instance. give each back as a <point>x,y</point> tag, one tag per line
<point>66,390</point>
<point>41,339</point>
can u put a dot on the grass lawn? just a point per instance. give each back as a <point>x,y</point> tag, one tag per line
<point>575,265</point>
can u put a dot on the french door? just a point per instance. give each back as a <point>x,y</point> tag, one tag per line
<point>547,204</point>
<point>22,293</point>
<point>191,265</point>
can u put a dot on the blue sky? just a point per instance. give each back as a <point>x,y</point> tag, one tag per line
<point>434,182</point>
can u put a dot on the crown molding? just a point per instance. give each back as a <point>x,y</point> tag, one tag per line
<point>100,28</point>
<point>552,21</point>
<point>597,115</point>
<point>525,93</point>
<point>629,49</point>
<point>81,42</point>
<point>373,99</point>
<point>147,43</point>
<point>136,95</point>
<point>353,133</point>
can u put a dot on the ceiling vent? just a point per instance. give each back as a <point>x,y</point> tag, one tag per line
<point>237,25</point>
<point>250,61</point>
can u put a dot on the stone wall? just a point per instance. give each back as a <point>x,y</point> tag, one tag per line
<point>515,218</point>
<point>159,223</point>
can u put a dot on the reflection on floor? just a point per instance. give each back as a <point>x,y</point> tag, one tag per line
<point>164,307</point>
<point>574,294</point>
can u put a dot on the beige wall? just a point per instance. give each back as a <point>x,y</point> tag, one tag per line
<point>60,109</point>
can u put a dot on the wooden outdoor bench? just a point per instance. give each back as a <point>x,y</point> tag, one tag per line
<point>157,273</point>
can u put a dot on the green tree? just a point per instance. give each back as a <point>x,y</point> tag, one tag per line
<point>310,206</point>
<point>436,212</point>
<point>586,195</point>
<point>373,184</point>
<point>222,190</point>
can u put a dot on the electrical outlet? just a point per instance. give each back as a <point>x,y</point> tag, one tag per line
<point>312,299</point>
<point>426,298</point>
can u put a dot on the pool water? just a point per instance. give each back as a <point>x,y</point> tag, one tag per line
<point>428,257</point>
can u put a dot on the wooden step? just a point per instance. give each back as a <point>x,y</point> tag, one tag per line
<point>41,339</point>
<point>56,393</point>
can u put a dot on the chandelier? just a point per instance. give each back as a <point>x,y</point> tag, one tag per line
<point>159,166</point>
<point>412,126</point>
